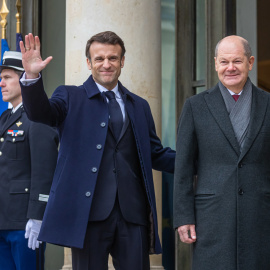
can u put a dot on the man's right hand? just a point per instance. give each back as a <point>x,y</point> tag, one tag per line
<point>187,233</point>
<point>31,58</point>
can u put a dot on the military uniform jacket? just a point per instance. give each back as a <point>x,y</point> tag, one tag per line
<point>28,154</point>
<point>82,116</point>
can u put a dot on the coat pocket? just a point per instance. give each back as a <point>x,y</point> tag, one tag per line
<point>19,186</point>
<point>204,194</point>
<point>13,147</point>
<point>204,200</point>
<point>19,192</point>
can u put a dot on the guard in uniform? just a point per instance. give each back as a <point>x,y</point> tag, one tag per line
<point>28,154</point>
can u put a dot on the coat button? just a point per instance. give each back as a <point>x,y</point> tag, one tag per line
<point>88,194</point>
<point>114,170</point>
<point>240,165</point>
<point>94,169</point>
<point>0,153</point>
<point>26,189</point>
<point>13,140</point>
<point>240,191</point>
<point>2,139</point>
<point>99,146</point>
<point>102,124</point>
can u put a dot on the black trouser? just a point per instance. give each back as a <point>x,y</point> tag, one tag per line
<point>126,242</point>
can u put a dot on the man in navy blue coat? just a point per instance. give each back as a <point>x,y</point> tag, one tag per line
<point>102,199</point>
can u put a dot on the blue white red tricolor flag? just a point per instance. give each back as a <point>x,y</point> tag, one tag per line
<point>4,47</point>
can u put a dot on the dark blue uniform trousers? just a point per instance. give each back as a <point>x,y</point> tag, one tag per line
<point>126,242</point>
<point>14,251</point>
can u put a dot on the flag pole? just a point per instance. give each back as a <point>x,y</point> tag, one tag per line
<point>4,12</point>
<point>18,25</point>
<point>18,16</point>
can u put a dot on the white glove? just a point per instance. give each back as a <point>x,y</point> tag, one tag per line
<point>32,231</point>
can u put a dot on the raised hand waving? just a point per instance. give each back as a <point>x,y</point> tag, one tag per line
<point>31,58</point>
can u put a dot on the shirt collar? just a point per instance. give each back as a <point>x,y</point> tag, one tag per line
<point>16,108</point>
<point>115,90</point>
<point>232,93</point>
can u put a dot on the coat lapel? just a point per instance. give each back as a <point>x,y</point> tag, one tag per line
<point>5,115</point>
<point>124,128</point>
<point>218,109</point>
<point>124,93</point>
<point>258,110</point>
<point>10,121</point>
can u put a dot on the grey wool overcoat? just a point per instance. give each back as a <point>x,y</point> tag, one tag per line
<point>229,199</point>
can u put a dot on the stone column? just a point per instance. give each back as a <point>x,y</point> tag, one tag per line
<point>137,22</point>
<point>67,259</point>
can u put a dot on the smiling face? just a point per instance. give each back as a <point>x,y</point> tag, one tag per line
<point>232,65</point>
<point>105,63</point>
<point>11,90</point>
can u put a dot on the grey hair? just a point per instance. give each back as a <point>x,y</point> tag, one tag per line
<point>247,48</point>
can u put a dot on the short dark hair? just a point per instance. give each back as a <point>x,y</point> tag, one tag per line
<point>18,72</point>
<point>106,37</point>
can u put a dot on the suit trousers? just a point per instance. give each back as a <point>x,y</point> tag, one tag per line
<point>14,251</point>
<point>126,242</point>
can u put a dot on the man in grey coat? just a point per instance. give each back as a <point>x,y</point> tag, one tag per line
<point>222,174</point>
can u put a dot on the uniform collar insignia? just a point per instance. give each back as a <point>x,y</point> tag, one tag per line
<point>19,123</point>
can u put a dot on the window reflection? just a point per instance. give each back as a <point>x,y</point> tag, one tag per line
<point>168,126</point>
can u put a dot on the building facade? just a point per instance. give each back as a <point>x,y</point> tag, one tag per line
<point>170,56</point>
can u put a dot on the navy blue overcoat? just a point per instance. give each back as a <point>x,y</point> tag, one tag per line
<point>81,115</point>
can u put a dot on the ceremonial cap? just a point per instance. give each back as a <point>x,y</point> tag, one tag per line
<point>12,60</point>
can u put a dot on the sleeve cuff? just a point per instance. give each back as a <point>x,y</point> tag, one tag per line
<point>27,82</point>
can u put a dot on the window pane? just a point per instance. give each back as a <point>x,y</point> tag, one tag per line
<point>168,126</point>
<point>168,72</point>
<point>200,89</point>
<point>200,40</point>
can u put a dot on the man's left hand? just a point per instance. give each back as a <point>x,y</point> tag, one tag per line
<point>32,231</point>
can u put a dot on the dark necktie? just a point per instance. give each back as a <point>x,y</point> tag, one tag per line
<point>235,97</point>
<point>116,116</point>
